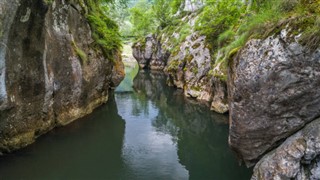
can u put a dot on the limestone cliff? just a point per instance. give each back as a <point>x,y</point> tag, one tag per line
<point>51,71</point>
<point>185,57</point>
<point>273,89</point>
<point>270,64</point>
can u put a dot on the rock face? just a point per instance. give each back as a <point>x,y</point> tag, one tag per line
<point>189,66</point>
<point>191,6</point>
<point>45,80</point>
<point>297,158</point>
<point>273,92</point>
<point>149,53</point>
<point>189,69</point>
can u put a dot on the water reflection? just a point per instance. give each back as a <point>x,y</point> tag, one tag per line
<point>147,153</point>
<point>148,132</point>
<point>172,137</point>
<point>86,149</point>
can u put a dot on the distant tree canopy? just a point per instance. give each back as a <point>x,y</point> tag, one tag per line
<point>142,18</point>
<point>147,16</point>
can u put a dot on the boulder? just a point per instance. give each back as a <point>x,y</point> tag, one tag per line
<point>297,158</point>
<point>273,90</point>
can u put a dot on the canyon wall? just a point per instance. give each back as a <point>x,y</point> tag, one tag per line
<point>273,91</point>
<point>272,82</point>
<point>51,73</point>
<point>187,61</point>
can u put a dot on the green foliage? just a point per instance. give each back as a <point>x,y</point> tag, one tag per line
<point>184,32</point>
<point>226,36</point>
<point>311,36</point>
<point>229,24</point>
<point>105,31</point>
<point>80,53</point>
<point>232,48</point>
<point>175,5</point>
<point>310,6</point>
<point>143,19</point>
<point>153,16</point>
<point>161,9</point>
<point>119,12</point>
<point>217,17</point>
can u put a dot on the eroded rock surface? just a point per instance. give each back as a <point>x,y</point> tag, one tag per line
<point>189,69</point>
<point>44,82</point>
<point>273,92</point>
<point>188,64</point>
<point>297,158</point>
<point>150,54</point>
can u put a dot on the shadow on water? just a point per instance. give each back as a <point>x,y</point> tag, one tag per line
<point>150,131</point>
<point>89,148</point>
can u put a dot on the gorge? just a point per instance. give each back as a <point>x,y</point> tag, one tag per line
<point>254,64</point>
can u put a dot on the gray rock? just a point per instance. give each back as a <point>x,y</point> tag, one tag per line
<point>189,69</point>
<point>149,53</point>
<point>44,83</point>
<point>188,66</point>
<point>273,92</point>
<point>297,158</point>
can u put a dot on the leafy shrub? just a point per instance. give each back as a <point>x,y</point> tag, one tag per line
<point>217,17</point>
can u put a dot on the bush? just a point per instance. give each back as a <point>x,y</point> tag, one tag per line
<point>217,17</point>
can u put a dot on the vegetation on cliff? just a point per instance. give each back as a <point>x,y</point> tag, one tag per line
<point>105,31</point>
<point>195,43</point>
<point>138,18</point>
<point>228,24</point>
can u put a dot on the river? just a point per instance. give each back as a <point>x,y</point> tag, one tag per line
<point>150,131</point>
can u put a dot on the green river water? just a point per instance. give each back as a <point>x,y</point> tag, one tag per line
<point>150,131</point>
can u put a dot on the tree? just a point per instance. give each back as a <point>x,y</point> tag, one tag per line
<point>143,18</point>
<point>162,12</point>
